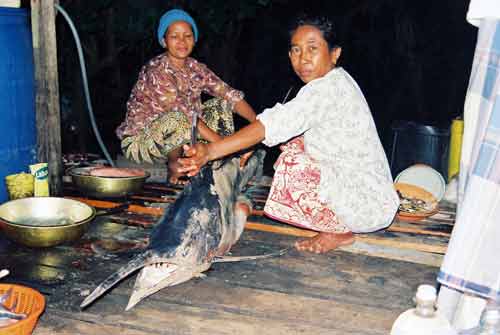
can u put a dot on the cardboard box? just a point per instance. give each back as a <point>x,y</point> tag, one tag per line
<point>10,3</point>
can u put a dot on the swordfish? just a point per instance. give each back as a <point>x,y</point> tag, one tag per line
<point>198,229</point>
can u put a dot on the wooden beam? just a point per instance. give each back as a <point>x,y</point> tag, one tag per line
<point>47,90</point>
<point>110,204</point>
<point>359,237</point>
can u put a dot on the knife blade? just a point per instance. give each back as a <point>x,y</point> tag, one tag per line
<point>194,123</point>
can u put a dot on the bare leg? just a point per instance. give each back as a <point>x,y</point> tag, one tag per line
<point>173,166</point>
<point>324,242</point>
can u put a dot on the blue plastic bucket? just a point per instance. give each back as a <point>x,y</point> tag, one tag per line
<point>17,95</point>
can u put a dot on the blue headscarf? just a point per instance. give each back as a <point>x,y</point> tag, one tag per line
<point>172,16</point>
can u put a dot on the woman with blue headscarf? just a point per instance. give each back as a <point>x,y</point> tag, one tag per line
<point>167,95</point>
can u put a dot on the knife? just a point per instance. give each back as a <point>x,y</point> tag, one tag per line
<point>194,122</point>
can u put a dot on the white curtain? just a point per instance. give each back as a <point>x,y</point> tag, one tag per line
<point>470,272</point>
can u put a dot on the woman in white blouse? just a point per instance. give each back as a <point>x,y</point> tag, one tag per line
<point>333,176</point>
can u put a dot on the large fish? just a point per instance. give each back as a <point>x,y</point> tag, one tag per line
<point>196,231</point>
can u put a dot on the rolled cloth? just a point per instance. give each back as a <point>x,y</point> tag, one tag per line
<point>172,16</point>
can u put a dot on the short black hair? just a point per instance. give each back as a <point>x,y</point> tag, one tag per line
<point>322,23</point>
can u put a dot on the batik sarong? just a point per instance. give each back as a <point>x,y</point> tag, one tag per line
<point>293,197</point>
<point>173,129</point>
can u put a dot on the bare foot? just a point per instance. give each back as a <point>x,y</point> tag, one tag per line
<point>324,242</point>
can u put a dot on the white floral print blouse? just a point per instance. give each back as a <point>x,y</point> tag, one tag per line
<point>340,134</point>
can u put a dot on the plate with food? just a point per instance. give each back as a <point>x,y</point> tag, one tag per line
<point>425,177</point>
<point>415,202</point>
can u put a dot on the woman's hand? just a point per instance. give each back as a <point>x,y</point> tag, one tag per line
<point>195,158</point>
<point>198,155</point>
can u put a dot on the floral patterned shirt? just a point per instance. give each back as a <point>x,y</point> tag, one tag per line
<point>340,134</point>
<point>162,88</point>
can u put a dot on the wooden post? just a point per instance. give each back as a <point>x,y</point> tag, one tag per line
<point>47,90</point>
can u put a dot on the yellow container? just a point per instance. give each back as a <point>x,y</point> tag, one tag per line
<point>41,173</point>
<point>20,185</point>
<point>457,131</point>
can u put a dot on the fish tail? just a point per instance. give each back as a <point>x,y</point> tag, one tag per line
<point>135,264</point>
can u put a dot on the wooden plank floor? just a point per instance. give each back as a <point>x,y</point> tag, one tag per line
<point>358,290</point>
<point>422,242</point>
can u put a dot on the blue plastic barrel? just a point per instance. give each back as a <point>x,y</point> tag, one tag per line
<point>17,95</point>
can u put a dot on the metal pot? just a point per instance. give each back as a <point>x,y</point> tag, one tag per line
<point>106,187</point>
<point>46,221</point>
